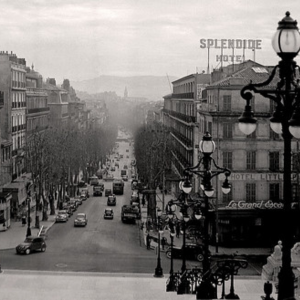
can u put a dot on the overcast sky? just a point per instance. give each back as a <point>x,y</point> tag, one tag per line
<point>84,39</point>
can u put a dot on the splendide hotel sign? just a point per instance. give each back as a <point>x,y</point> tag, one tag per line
<point>256,176</point>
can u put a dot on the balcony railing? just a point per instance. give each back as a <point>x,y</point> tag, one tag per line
<point>37,110</point>
<point>183,117</point>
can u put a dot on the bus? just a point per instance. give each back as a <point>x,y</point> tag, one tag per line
<point>118,186</point>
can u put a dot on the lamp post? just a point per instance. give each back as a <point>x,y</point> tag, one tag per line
<point>204,170</point>
<point>186,189</point>
<point>285,121</point>
<point>28,232</point>
<point>158,269</point>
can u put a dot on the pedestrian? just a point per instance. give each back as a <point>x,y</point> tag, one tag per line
<point>163,242</point>
<point>148,240</point>
<point>177,230</point>
<point>23,220</point>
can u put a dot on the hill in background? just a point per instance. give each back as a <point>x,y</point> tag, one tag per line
<point>150,87</point>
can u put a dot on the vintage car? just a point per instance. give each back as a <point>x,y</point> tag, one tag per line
<point>97,191</point>
<point>80,220</point>
<point>111,200</point>
<point>107,192</point>
<point>31,244</point>
<point>108,213</point>
<point>62,216</point>
<point>191,251</point>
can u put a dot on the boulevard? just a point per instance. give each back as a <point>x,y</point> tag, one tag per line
<point>103,246</point>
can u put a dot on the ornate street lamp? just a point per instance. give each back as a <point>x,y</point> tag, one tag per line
<point>285,121</point>
<point>204,170</point>
<point>158,269</point>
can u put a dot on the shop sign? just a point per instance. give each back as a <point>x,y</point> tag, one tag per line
<point>254,205</point>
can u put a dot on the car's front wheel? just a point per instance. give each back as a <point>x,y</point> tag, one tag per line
<point>200,257</point>
<point>43,249</point>
<point>27,251</point>
<point>169,254</point>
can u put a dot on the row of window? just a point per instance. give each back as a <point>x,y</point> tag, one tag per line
<point>251,160</point>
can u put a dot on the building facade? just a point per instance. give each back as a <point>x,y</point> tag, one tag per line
<point>180,116</point>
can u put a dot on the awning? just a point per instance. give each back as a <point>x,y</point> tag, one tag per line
<point>18,191</point>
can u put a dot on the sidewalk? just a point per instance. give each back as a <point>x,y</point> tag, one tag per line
<point>16,233</point>
<point>222,251</point>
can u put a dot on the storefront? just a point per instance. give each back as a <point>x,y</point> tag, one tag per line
<point>244,224</point>
<point>18,203</point>
<point>5,201</point>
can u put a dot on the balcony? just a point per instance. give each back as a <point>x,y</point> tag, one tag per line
<point>183,117</point>
<point>38,110</point>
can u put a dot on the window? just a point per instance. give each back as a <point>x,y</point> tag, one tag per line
<point>227,160</point>
<point>251,160</point>
<point>250,192</point>
<point>227,130</point>
<point>274,191</point>
<point>227,103</point>
<point>274,161</point>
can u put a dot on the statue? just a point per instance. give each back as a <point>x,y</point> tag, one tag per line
<point>277,254</point>
<point>295,252</point>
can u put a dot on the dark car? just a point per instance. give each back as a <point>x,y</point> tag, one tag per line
<point>111,200</point>
<point>192,252</point>
<point>68,208</point>
<point>97,191</point>
<point>108,213</point>
<point>113,169</point>
<point>62,216</point>
<point>31,244</point>
<point>80,220</point>
<point>107,192</point>
<point>74,204</point>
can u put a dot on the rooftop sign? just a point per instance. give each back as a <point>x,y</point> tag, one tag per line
<point>230,44</point>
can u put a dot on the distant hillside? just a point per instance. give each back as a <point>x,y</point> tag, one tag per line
<point>150,87</point>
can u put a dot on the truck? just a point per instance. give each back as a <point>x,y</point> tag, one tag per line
<point>118,187</point>
<point>130,213</point>
<point>97,190</point>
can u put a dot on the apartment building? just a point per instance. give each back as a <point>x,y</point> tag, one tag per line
<point>180,116</point>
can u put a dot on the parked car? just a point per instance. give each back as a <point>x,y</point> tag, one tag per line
<point>192,252</point>
<point>73,203</point>
<point>80,220</point>
<point>113,169</point>
<point>62,216</point>
<point>68,208</point>
<point>86,191</point>
<point>31,244</point>
<point>108,213</point>
<point>125,167</point>
<point>111,200</point>
<point>78,200</point>
<point>117,164</point>
<point>107,192</point>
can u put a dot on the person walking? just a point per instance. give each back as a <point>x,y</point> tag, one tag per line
<point>148,240</point>
<point>177,230</point>
<point>163,243</point>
